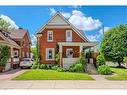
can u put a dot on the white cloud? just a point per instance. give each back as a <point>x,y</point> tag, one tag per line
<point>93,37</point>
<point>33,40</point>
<point>82,22</point>
<point>75,6</point>
<point>105,29</point>
<point>98,35</point>
<point>52,11</point>
<point>9,20</point>
<point>66,15</point>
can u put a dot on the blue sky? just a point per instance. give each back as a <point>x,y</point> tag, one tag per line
<point>87,18</point>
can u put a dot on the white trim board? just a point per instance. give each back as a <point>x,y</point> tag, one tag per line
<point>52,55</point>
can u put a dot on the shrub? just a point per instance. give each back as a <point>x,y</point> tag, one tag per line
<point>60,69</point>
<point>104,69</point>
<point>57,58</point>
<point>100,60</point>
<point>55,67</point>
<point>125,60</point>
<point>4,54</point>
<point>34,66</point>
<point>43,66</point>
<point>81,58</point>
<point>77,67</point>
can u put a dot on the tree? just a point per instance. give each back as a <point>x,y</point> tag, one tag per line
<point>4,55</point>
<point>5,25</point>
<point>114,44</point>
<point>34,52</point>
<point>38,57</point>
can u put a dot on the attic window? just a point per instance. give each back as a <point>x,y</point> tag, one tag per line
<point>50,36</point>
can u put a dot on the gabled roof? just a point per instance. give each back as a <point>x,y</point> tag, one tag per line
<point>8,40</point>
<point>19,34</point>
<point>59,19</point>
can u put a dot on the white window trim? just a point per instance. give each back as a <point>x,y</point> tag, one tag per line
<point>48,36</point>
<point>16,51</point>
<point>70,35</point>
<point>68,49</point>
<point>47,49</point>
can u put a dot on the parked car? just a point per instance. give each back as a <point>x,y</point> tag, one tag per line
<point>25,63</point>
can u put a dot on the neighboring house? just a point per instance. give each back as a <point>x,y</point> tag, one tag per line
<point>71,41</point>
<point>19,43</point>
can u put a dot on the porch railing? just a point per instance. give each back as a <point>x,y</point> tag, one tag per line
<point>67,62</point>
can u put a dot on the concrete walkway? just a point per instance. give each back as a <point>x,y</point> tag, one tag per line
<point>99,83</point>
<point>60,84</point>
<point>11,74</point>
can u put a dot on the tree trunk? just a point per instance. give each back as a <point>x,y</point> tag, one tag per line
<point>119,64</point>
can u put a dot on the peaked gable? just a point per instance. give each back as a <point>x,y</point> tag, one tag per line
<point>59,19</point>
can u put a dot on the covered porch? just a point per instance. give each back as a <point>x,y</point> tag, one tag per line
<point>15,54</point>
<point>70,51</point>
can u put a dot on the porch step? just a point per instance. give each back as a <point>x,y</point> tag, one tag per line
<point>90,68</point>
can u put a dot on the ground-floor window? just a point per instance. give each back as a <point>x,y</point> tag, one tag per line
<point>69,53</point>
<point>49,53</point>
<point>16,53</point>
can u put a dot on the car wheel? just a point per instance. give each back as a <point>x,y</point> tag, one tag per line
<point>21,67</point>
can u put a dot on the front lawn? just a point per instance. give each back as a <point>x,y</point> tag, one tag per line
<point>52,75</point>
<point>121,74</point>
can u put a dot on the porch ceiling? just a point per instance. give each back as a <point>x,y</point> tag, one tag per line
<point>87,44</point>
<point>10,44</point>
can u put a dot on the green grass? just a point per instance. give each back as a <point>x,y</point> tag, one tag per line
<point>52,75</point>
<point>121,74</point>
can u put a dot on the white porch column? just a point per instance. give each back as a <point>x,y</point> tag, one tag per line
<point>12,52</point>
<point>11,57</point>
<point>81,48</point>
<point>95,49</point>
<point>60,51</point>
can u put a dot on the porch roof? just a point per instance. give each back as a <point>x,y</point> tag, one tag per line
<point>88,44</point>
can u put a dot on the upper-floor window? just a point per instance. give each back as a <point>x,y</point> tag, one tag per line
<point>69,35</point>
<point>50,36</point>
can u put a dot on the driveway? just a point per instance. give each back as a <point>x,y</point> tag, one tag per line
<point>99,83</point>
<point>10,74</point>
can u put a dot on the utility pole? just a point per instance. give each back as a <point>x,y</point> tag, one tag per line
<point>103,29</point>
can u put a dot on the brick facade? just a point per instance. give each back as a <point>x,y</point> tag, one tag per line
<point>59,35</point>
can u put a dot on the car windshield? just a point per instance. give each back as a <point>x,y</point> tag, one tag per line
<point>25,59</point>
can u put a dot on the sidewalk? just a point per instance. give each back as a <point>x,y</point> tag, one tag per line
<point>62,84</point>
<point>99,83</point>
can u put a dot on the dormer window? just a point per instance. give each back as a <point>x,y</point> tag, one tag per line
<point>50,36</point>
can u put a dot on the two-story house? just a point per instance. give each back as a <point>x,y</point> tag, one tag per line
<point>71,41</point>
<point>19,42</point>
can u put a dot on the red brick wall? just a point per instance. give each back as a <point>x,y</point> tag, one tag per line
<point>59,35</point>
<point>26,47</point>
<point>75,51</point>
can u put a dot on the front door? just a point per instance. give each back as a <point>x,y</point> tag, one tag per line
<point>69,53</point>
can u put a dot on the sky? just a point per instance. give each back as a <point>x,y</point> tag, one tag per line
<point>89,19</point>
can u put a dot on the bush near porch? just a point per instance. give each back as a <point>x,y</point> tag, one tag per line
<point>4,56</point>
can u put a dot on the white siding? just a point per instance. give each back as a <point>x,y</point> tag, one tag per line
<point>57,20</point>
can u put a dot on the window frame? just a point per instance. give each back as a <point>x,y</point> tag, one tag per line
<point>48,32</point>
<point>47,54</point>
<point>70,39</point>
<point>69,49</point>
